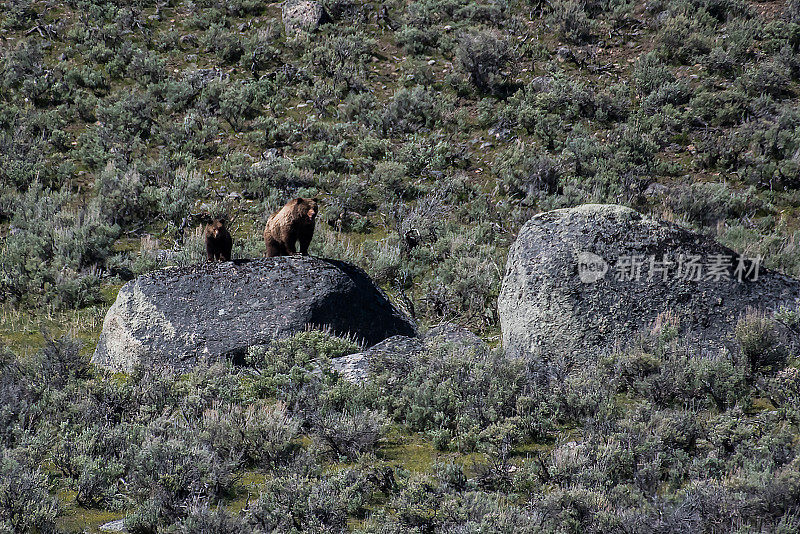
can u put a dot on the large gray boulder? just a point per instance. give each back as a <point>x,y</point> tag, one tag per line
<point>179,316</point>
<point>571,286</point>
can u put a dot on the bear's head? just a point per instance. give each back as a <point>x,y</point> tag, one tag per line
<point>308,208</point>
<point>216,227</point>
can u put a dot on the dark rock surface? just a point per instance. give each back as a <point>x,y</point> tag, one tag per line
<point>355,367</point>
<point>177,316</point>
<point>545,306</point>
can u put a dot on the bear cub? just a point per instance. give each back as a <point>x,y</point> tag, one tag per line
<point>218,241</point>
<point>292,223</point>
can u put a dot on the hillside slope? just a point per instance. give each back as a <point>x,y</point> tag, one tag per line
<point>430,130</point>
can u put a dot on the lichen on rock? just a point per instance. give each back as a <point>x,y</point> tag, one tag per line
<point>591,278</point>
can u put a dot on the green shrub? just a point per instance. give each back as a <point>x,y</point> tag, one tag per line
<point>257,435</point>
<point>707,204</point>
<point>484,57</point>
<point>527,174</point>
<point>348,433</point>
<point>178,198</point>
<point>168,474</point>
<point>123,196</point>
<point>343,60</point>
<point>409,110</point>
<point>223,43</point>
<point>240,103</point>
<point>767,77</point>
<point>324,157</point>
<point>792,11</point>
<point>571,21</point>
<point>53,256</point>
<point>280,356</point>
<point>201,518</point>
<point>682,39</point>
<point>761,343</point>
<point>393,178</point>
<point>649,74</point>
<point>461,392</point>
<point>25,501</point>
<point>308,502</point>
<point>261,179</point>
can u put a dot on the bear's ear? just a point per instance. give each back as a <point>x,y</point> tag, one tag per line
<point>316,200</point>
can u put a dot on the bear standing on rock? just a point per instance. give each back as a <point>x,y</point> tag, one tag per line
<point>293,222</point>
<point>218,241</point>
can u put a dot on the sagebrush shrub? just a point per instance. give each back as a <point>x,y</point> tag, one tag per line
<point>649,74</point>
<point>571,21</point>
<point>55,252</point>
<point>25,501</point>
<point>485,57</point>
<point>760,342</point>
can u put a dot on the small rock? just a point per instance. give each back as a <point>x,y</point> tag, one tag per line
<point>656,190</point>
<point>118,525</point>
<point>542,84</point>
<point>355,367</point>
<point>500,133</point>
<point>188,39</point>
<point>448,334</point>
<point>301,15</point>
<point>564,54</point>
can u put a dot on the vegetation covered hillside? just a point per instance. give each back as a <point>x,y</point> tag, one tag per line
<point>430,131</point>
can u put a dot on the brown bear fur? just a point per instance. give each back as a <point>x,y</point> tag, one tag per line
<point>293,222</point>
<point>218,241</point>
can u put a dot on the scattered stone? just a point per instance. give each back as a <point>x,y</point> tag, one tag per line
<point>301,15</point>
<point>564,54</point>
<point>448,334</point>
<point>355,367</point>
<point>542,84</point>
<point>656,190</point>
<point>118,525</point>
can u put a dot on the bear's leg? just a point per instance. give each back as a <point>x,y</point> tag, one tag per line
<point>304,244</point>
<point>273,248</point>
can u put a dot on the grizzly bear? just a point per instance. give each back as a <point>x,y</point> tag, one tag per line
<point>293,222</point>
<point>218,241</point>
